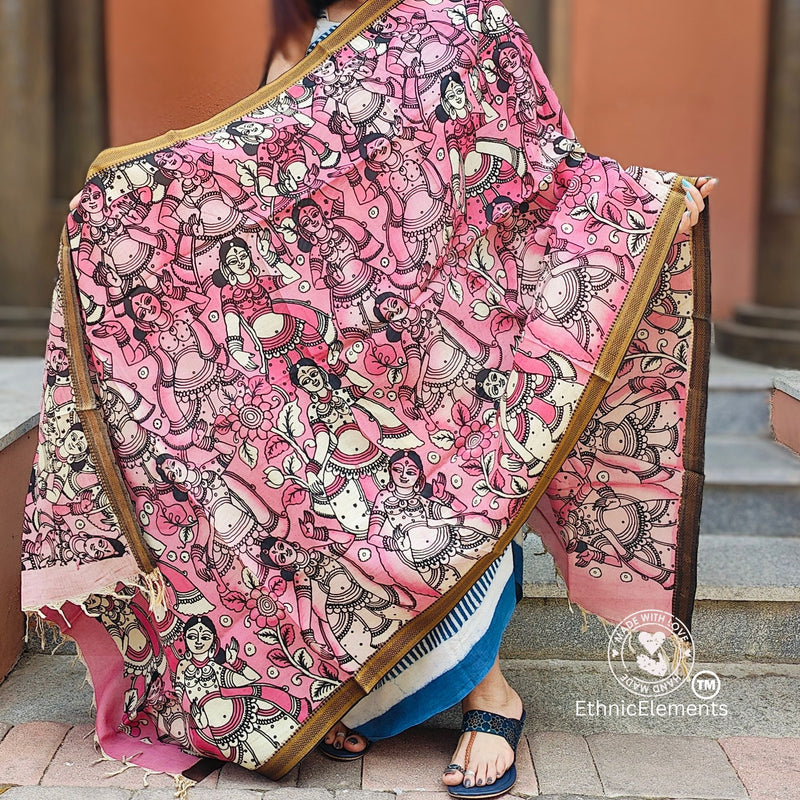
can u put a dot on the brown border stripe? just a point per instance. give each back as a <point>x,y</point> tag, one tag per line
<point>694,443</point>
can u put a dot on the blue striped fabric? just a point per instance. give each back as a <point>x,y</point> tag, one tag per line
<point>449,661</point>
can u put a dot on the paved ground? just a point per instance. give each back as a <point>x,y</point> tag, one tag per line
<point>56,761</point>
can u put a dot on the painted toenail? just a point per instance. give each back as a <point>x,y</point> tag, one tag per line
<point>480,783</point>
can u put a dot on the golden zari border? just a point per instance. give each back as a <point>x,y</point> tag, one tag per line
<point>91,415</point>
<point>622,331</point>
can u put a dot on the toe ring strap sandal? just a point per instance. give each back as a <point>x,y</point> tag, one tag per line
<point>486,722</point>
<point>341,753</point>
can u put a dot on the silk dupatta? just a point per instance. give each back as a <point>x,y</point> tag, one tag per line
<point>312,364</point>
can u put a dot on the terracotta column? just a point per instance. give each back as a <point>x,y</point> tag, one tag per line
<point>27,168</point>
<point>53,104</point>
<point>769,329</point>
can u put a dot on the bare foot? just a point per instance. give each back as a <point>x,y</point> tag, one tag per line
<point>490,755</point>
<point>342,738</point>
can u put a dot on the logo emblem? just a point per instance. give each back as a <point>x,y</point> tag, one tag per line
<point>651,653</point>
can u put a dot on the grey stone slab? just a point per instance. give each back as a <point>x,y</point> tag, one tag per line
<point>745,461</point>
<point>5,727</point>
<point>299,794</point>
<point>70,793</point>
<point>232,776</point>
<point>788,381</point>
<point>750,510</point>
<point>724,631</point>
<point>732,373</point>
<point>664,766</point>
<point>46,687</point>
<point>748,568</point>
<point>740,412</point>
<point>196,793</point>
<point>563,763</point>
<point>360,794</point>
<point>317,770</point>
<point>759,700</point>
<point>747,631</point>
<point>21,381</point>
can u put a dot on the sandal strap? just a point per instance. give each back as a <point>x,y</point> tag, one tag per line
<point>487,722</point>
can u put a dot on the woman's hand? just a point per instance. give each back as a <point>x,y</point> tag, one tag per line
<point>695,201</point>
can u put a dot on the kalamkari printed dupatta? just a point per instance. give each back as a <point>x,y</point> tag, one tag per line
<point>312,364</point>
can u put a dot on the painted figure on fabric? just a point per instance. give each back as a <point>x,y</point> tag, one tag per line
<point>343,257</point>
<point>479,163</point>
<point>442,356</point>
<point>343,457</point>
<point>274,327</point>
<point>234,715</point>
<point>425,527</point>
<point>350,612</point>
<point>234,520</point>
<point>533,402</point>
<point>116,247</point>
<point>187,358</point>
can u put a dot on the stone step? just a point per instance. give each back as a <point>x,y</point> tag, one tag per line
<point>752,487</point>
<point>738,397</point>
<point>747,605</point>
<point>759,699</point>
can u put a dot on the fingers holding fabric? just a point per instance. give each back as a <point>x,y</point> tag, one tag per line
<point>695,201</point>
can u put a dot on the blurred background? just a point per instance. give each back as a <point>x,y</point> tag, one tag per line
<point>705,88</point>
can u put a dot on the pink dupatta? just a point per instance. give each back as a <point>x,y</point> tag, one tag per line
<point>313,363</point>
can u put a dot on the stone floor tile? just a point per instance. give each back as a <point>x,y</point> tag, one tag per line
<point>676,767</point>
<point>527,784</point>
<point>27,749</point>
<point>769,768</point>
<point>360,794</point>
<point>195,793</point>
<point>563,763</point>
<point>290,793</point>
<point>5,727</point>
<point>317,770</point>
<point>233,776</point>
<point>66,793</point>
<point>388,767</point>
<point>78,763</point>
<point>417,795</point>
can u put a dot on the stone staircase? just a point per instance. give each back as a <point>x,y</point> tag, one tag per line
<point>747,615</point>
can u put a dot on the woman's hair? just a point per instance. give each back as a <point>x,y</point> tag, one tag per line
<point>317,6</point>
<point>444,110</point>
<point>139,332</point>
<point>504,82</point>
<point>480,376</point>
<point>392,334</point>
<point>78,214</point>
